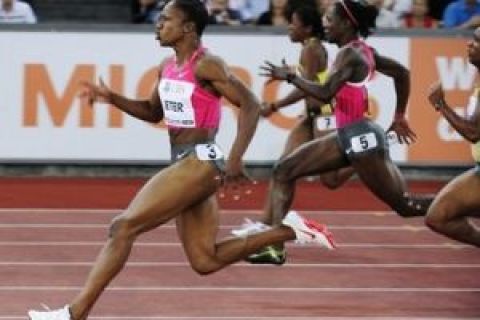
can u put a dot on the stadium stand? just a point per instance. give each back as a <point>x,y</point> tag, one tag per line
<point>94,11</point>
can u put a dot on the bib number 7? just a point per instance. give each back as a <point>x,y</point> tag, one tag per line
<point>324,123</point>
<point>364,142</point>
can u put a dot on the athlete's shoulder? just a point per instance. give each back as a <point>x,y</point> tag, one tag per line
<point>210,59</point>
<point>165,63</point>
<point>211,66</point>
<point>348,54</point>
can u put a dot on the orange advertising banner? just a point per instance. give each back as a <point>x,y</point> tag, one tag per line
<point>445,60</point>
<point>44,119</point>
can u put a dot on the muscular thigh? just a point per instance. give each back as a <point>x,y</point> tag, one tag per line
<point>171,191</point>
<point>333,175</point>
<point>315,157</point>
<point>460,196</point>
<point>197,228</point>
<point>381,176</point>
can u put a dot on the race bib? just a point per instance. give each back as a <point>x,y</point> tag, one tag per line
<point>364,142</point>
<point>208,152</point>
<point>324,123</point>
<point>177,105</point>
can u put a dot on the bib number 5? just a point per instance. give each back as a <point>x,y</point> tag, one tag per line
<point>364,142</point>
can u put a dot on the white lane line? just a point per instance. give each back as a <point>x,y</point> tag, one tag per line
<point>223,227</point>
<point>222,211</point>
<point>247,289</point>
<point>447,245</point>
<point>57,210</point>
<point>248,265</point>
<point>112,317</point>
<point>58,225</point>
<point>178,244</point>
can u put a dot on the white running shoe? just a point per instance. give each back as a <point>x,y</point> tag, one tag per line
<point>249,227</point>
<point>58,314</point>
<point>309,231</point>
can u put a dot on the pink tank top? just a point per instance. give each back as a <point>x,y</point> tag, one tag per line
<point>351,101</point>
<point>185,103</point>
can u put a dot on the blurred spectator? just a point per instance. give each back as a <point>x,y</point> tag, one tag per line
<point>463,14</point>
<point>275,15</point>
<point>148,11</point>
<point>398,7</point>
<point>386,18</point>
<point>220,13</point>
<point>419,16</point>
<point>437,7</point>
<point>14,11</point>
<point>249,9</point>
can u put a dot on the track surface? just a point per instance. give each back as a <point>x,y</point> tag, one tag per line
<point>385,267</point>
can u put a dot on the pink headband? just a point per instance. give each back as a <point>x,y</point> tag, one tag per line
<point>349,13</point>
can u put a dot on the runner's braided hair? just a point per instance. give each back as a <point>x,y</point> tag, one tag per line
<point>360,13</point>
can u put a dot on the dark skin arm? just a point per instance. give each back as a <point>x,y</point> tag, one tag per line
<point>344,70</point>
<point>468,127</point>
<point>147,110</point>
<point>214,71</point>
<point>401,80</point>
<point>350,66</point>
<point>313,60</point>
<point>293,97</point>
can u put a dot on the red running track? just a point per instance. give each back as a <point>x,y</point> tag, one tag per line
<point>98,193</point>
<point>386,267</point>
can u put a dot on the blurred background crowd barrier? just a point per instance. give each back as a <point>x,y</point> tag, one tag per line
<point>42,65</point>
<point>43,118</point>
